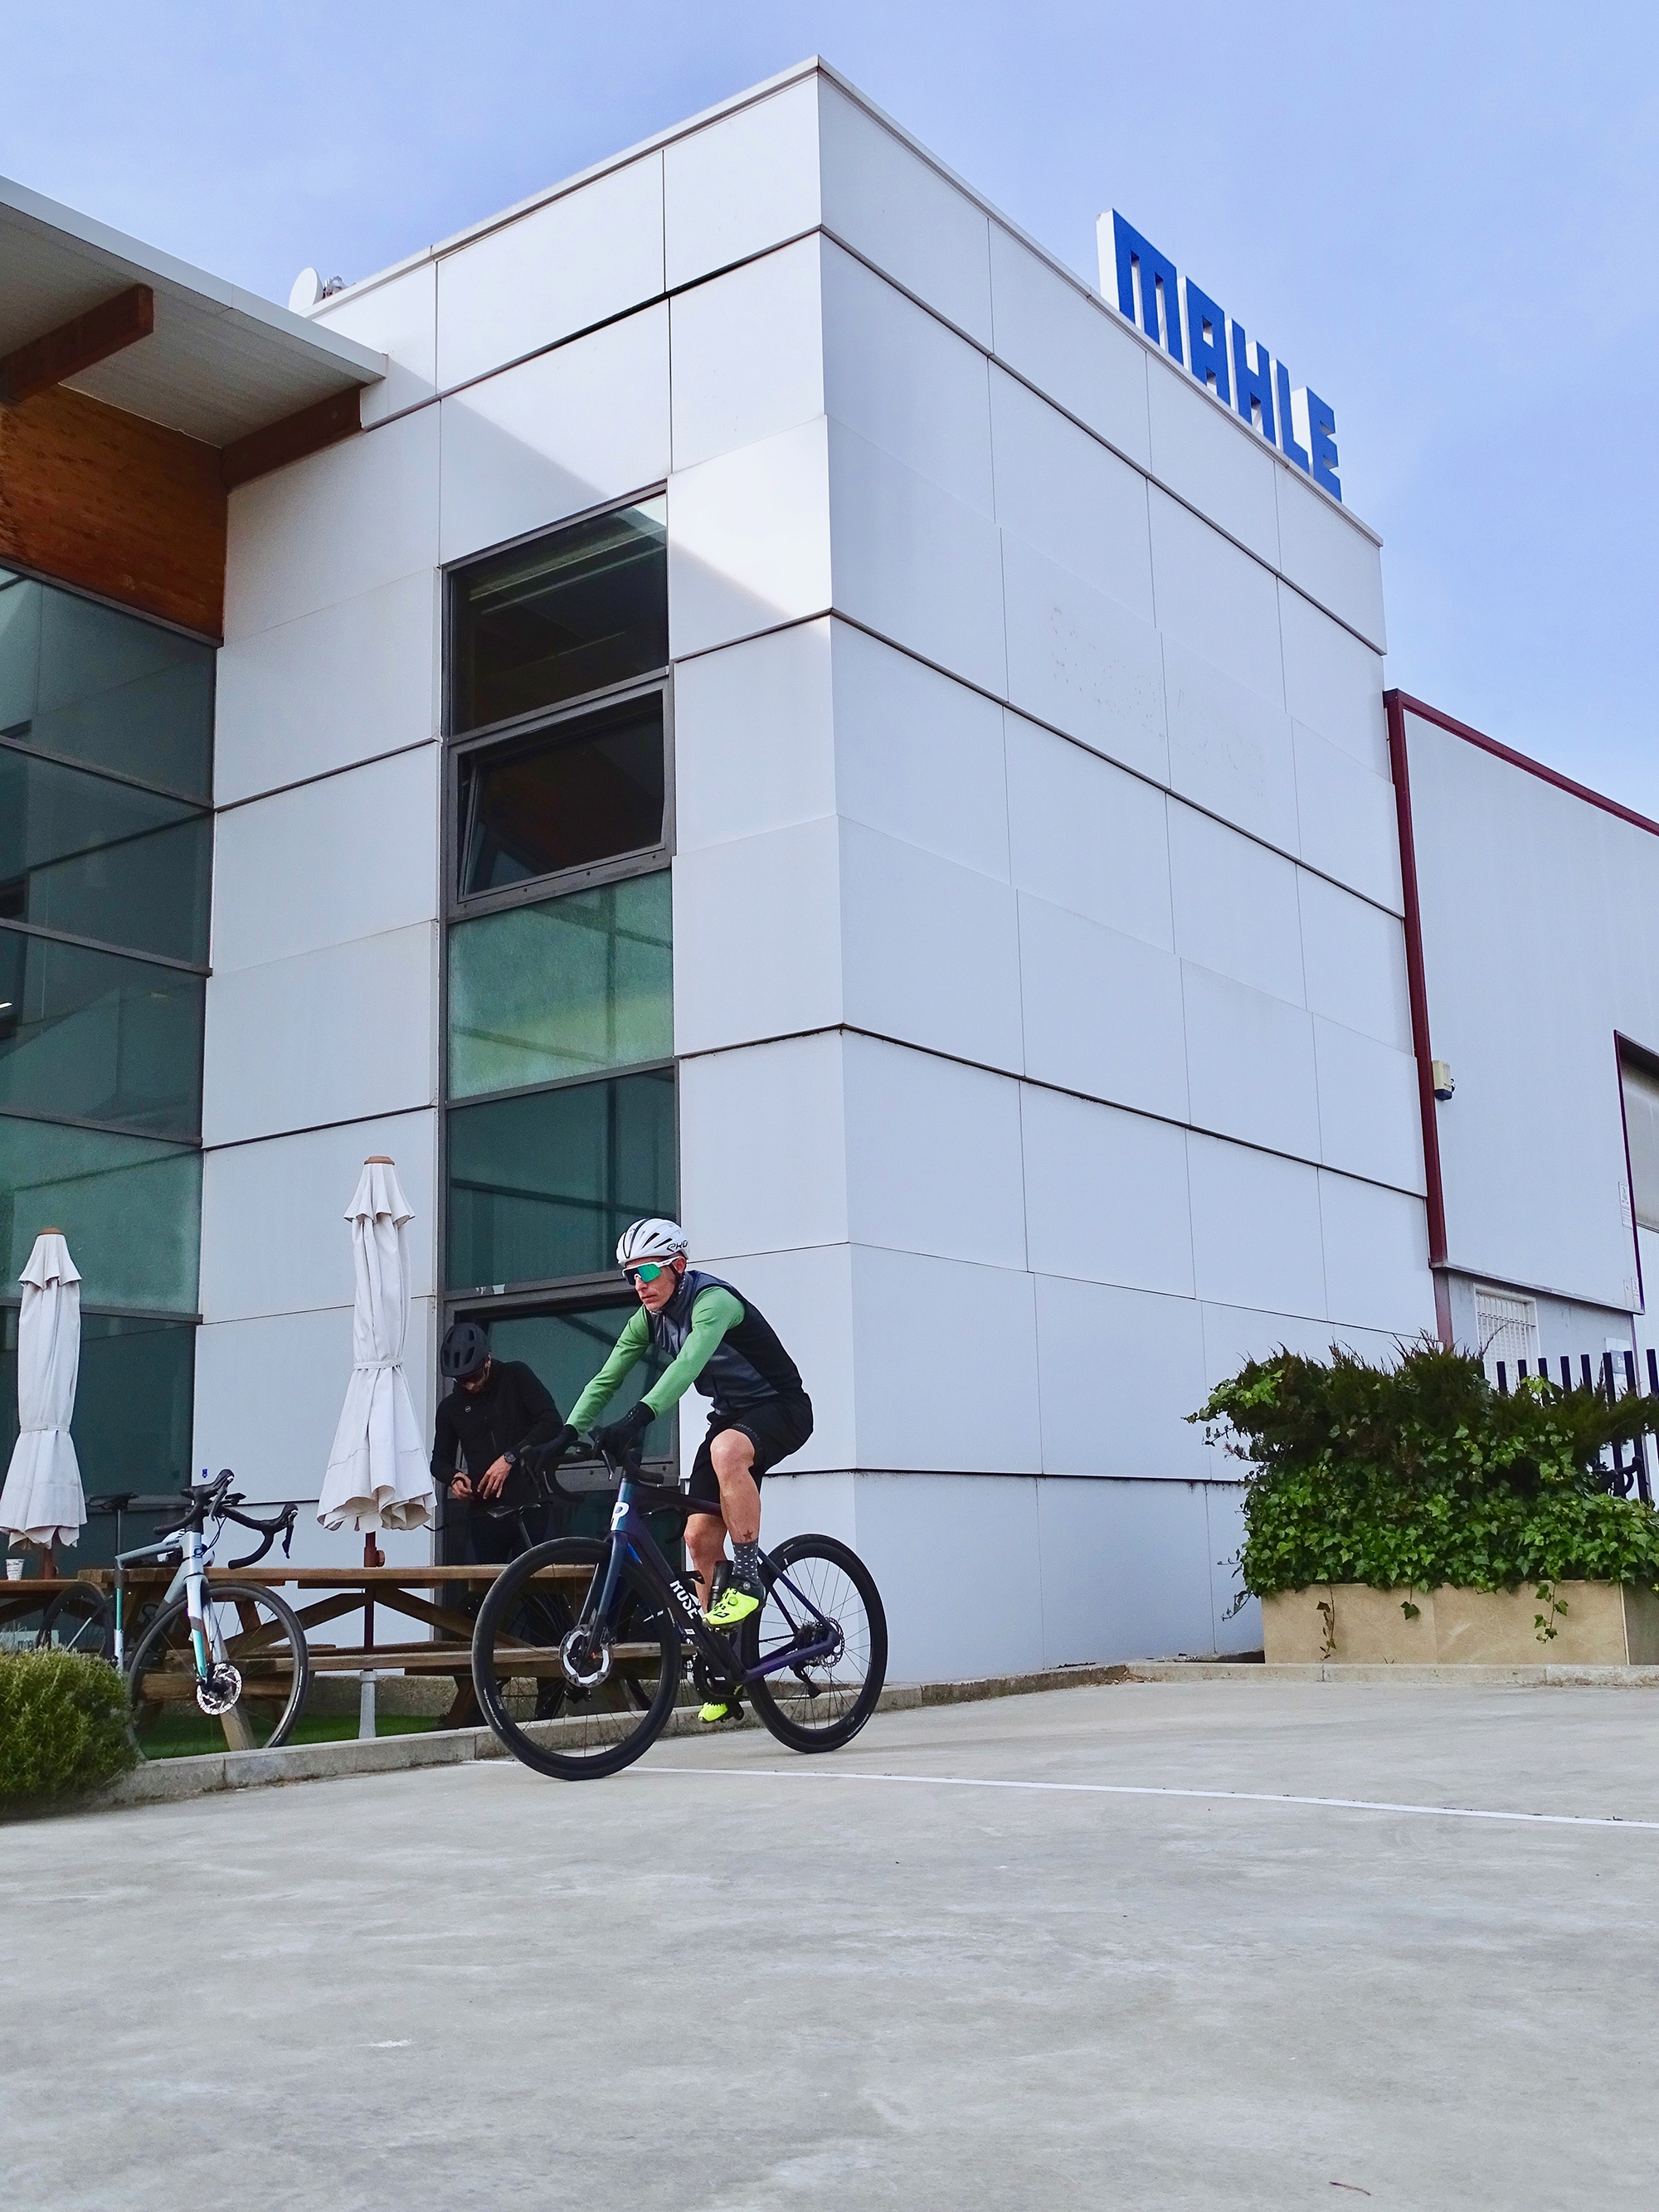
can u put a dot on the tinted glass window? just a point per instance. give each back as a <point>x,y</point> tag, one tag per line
<point>584,790</point>
<point>131,1211</point>
<point>567,1348</point>
<point>1641,1128</point>
<point>97,859</point>
<point>541,1186</point>
<point>567,988</point>
<point>99,1037</point>
<point>585,608</point>
<point>132,1417</point>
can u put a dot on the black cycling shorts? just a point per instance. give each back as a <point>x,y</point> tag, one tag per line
<point>776,1428</point>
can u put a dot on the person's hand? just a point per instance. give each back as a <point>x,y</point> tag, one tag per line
<point>459,1487</point>
<point>618,1438</point>
<point>539,1458</point>
<point>493,1477</point>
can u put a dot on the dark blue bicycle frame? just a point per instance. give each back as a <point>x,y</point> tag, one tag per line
<point>630,1537</point>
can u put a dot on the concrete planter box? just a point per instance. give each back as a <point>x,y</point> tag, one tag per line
<point>1605,1625</point>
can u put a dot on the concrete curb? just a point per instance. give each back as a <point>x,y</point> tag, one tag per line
<point>170,1780</point>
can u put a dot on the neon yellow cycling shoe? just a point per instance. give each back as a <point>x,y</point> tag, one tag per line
<point>713,1712</point>
<point>733,1605</point>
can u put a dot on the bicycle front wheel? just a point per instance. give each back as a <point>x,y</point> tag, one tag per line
<point>568,1700</point>
<point>258,1669</point>
<point>818,1594</point>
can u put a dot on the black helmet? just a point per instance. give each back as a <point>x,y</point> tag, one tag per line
<point>466,1349</point>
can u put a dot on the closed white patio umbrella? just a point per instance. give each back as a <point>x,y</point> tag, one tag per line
<point>378,1476</point>
<point>43,1502</point>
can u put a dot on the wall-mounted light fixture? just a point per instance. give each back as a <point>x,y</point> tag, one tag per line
<point>1440,1076</point>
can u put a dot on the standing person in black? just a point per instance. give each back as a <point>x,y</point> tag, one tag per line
<point>494,1410</point>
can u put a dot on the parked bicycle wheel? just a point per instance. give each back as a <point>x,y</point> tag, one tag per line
<point>79,1619</point>
<point>565,1701</point>
<point>260,1669</point>
<point>817,1590</point>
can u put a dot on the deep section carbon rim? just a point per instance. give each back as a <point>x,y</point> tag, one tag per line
<point>817,1591</point>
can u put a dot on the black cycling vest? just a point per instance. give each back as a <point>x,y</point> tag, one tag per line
<point>748,1367</point>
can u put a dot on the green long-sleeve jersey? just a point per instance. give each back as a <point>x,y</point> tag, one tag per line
<point>713,1313</point>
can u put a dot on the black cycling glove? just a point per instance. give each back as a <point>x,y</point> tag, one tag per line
<point>619,1438</point>
<point>539,1457</point>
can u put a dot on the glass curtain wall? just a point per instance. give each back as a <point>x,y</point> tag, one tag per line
<point>560,1125</point>
<point>106,861</point>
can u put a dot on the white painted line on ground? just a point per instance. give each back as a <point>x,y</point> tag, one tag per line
<point>1149,1789</point>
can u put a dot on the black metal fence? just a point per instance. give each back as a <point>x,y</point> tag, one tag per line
<point>1615,1374</point>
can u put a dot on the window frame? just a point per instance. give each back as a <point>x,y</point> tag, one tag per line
<point>563,1292</point>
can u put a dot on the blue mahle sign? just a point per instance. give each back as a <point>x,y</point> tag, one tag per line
<point>1191,329</point>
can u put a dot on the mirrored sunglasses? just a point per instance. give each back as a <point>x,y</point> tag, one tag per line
<point>646,1271</point>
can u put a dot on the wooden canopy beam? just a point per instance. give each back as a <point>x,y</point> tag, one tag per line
<point>338,417</point>
<point>78,344</point>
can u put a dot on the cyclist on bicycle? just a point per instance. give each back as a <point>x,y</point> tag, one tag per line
<point>719,1341</point>
<point>496,1411</point>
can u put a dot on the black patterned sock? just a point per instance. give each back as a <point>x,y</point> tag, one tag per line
<point>745,1567</point>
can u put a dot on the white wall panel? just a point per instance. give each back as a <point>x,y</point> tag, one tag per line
<point>748,353</point>
<point>933,1155</point>
<point>917,755</point>
<point>1105,1194</point>
<point>267,1398</point>
<point>350,681</point>
<point>915,564</point>
<point>1257,1237</point>
<point>1346,816</point>
<point>807,1296</point>
<point>1086,835</point>
<point>568,430</point>
<point>1236,907</point>
<point>332,526</point>
<point>1330,558</point>
<point>398,319</point>
<point>755,738</point>
<point>946,1363</point>
<point>1231,750</point>
<point>1215,598</point>
<point>1234,1335</point>
<point>350,856</point>
<point>1125,1572</point>
<point>1210,459</point>
<point>1376,1257</point>
<point>1333,681</point>
<point>897,210</point>
<point>1062,491</point>
<point>1236,1630</point>
<point>274,1234</point>
<point>1082,662</point>
<point>1251,1064</point>
<point>1354,961</point>
<point>333,1035</point>
<point>1064,340</point>
<point>1102,1011</point>
<point>1120,1370</point>
<point>930,951</point>
<point>764,1147</point>
<point>742,183</point>
<point>748,540</point>
<point>1369,1121</point>
<point>778,897</point>
<point>934,1636</point>
<point>897,376</point>
<point>575,261</point>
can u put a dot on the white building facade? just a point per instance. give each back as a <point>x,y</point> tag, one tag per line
<point>1038,1044</point>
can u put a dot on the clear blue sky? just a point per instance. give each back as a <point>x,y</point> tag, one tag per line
<point>1442,217</point>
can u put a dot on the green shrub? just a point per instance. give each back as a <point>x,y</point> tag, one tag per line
<point>63,1725</point>
<point>1422,1473</point>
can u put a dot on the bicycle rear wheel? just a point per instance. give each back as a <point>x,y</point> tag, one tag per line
<point>565,1702</point>
<point>817,1590</point>
<point>79,1619</point>
<point>259,1685</point>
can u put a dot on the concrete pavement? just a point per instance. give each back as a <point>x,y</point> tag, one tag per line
<point>734,1979</point>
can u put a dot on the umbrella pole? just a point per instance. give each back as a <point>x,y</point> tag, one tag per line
<point>373,1557</point>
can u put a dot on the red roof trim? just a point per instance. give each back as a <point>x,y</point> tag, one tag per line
<point>1427,713</point>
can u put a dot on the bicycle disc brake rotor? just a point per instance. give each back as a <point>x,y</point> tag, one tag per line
<point>221,1690</point>
<point>584,1668</point>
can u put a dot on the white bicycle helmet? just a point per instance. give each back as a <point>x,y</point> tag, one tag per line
<point>655,1239</point>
